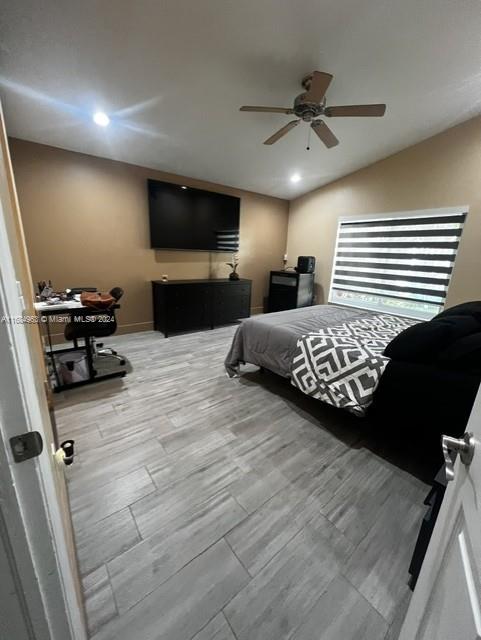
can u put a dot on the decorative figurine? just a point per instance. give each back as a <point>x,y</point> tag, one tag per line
<point>233,265</point>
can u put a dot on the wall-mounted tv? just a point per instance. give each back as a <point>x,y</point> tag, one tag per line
<point>192,219</point>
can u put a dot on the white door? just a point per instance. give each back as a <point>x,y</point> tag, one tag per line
<point>446,603</point>
<point>39,596</point>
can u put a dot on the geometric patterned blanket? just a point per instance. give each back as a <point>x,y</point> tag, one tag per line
<point>342,364</point>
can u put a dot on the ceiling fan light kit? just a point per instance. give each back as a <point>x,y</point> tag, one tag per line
<point>311,104</point>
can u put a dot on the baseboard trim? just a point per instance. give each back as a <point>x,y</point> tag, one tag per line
<point>133,327</point>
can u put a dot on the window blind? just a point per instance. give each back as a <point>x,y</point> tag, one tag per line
<point>227,240</point>
<point>397,263</point>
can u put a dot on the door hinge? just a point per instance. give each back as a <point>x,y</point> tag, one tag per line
<point>26,445</point>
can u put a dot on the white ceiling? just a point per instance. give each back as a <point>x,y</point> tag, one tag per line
<point>173,73</point>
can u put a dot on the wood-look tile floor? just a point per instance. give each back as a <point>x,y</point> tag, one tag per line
<point>207,508</point>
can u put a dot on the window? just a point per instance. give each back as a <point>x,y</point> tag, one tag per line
<point>397,263</point>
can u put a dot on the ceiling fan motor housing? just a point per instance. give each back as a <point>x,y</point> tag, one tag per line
<point>307,110</point>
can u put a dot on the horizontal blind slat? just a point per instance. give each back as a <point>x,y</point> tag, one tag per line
<point>394,267</point>
<point>395,243</point>
<point>408,277</point>
<point>401,233</point>
<point>413,220</point>
<point>443,262</point>
<point>393,287</point>
<point>424,297</point>
<point>389,252</point>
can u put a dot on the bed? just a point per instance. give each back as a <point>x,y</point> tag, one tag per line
<point>331,353</point>
<point>336,354</point>
<point>269,340</point>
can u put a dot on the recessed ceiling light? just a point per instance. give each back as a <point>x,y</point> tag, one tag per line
<point>101,118</point>
<point>295,177</point>
<point>183,187</point>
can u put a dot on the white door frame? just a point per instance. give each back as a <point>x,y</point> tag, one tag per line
<point>34,542</point>
<point>448,591</point>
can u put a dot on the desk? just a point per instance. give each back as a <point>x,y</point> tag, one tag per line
<point>50,309</point>
<point>71,308</point>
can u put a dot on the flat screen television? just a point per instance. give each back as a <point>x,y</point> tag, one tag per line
<point>192,219</point>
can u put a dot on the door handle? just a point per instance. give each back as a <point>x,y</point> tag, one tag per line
<point>464,446</point>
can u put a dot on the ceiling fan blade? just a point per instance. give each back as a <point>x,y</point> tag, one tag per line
<point>282,132</point>
<point>324,133</point>
<point>367,110</point>
<point>267,109</point>
<point>319,83</point>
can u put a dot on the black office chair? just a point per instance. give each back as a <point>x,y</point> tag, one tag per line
<point>100,350</point>
<point>105,326</point>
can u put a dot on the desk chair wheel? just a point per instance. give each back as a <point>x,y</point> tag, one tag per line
<point>110,353</point>
<point>106,352</point>
<point>100,347</point>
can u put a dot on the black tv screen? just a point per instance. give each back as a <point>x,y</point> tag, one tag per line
<point>192,219</point>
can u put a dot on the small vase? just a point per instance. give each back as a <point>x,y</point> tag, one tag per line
<point>234,276</point>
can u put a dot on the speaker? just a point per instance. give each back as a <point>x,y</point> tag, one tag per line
<point>306,264</point>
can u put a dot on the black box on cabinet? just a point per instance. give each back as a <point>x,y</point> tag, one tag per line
<point>306,264</point>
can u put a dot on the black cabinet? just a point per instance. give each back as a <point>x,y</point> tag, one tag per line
<point>183,305</point>
<point>289,290</point>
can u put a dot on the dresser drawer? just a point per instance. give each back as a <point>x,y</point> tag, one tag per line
<point>186,293</point>
<point>222,291</point>
<point>186,305</point>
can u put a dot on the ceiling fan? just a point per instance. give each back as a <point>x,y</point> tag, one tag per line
<point>311,104</point>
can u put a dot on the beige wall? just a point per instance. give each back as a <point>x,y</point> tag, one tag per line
<point>442,171</point>
<point>86,223</point>
<point>86,219</point>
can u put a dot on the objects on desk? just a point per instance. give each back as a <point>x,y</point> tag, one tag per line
<point>74,291</point>
<point>45,291</point>
<point>97,301</point>
<point>47,294</point>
